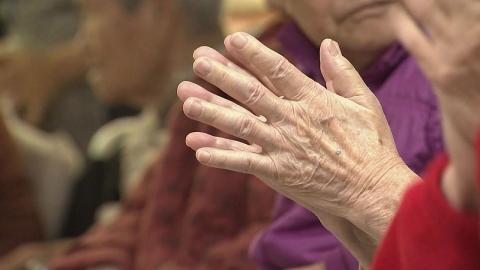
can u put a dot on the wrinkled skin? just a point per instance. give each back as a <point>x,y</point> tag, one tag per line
<point>449,56</point>
<point>330,150</point>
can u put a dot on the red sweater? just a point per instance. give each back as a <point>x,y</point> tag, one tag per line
<point>427,232</point>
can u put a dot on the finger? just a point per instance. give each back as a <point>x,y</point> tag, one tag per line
<point>237,124</point>
<point>199,140</point>
<point>186,90</point>
<point>238,161</point>
<point>284,76</point>
<point>326,73</point>
<point>432,15</point>
<point>213,54</point>
<point>342,78</point>
<point>412,38</point>
<point>93,257</point>
<point>243,88</point>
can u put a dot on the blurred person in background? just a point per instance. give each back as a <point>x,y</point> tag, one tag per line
<point>19,219</point>
<point>296,238</point>
<point>48,108</point>
<point>182,215</point>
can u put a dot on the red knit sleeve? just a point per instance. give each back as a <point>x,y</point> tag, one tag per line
<point>427,232</point>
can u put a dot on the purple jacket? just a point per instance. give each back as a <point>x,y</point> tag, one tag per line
<point>296,237</point>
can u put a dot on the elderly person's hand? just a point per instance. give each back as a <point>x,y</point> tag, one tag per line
<point>449,56</point>
<point>331,150</point>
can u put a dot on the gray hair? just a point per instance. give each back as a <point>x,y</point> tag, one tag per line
<point>202,16</point>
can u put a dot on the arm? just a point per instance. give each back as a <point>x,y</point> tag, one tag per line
<point>447,55</point>
<point>437,224</point>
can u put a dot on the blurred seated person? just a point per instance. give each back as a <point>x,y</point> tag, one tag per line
<point>19,219</point>
<point>182,214</point>
<point>44,69</point>
<point>48,109</point>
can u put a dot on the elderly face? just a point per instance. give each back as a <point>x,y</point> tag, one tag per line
<point>355,24</point>
<point>127,51</point>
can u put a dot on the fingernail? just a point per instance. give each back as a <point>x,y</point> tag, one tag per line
<point>202,67</point>
<point>239,41</point>
<point>338,48</point>
<point>227,40</point>
<point>203,156</point>
<point>332,48</point>
<point>195,109</point>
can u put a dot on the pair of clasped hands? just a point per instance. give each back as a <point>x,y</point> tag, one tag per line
<point>331,149</point>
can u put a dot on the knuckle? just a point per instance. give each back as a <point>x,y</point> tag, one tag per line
<point>245,128</point>
<point>222,77</point>
<point>282,70</point>
<point>247,164</point>
<point>213,115</point>
<point>255,93</point>
<point>346,67</point>
<point>257,55</point>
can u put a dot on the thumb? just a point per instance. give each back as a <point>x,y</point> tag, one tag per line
<point>342,78</point>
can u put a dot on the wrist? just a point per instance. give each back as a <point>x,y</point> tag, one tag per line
<point>376,207</point>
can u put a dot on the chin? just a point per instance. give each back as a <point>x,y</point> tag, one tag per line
<point>368,40</point>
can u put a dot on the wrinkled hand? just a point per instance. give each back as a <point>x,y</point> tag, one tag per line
<point>447,47</point>
<point>30,81</point>
<point>18,258</point>
<point>331,150</point>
